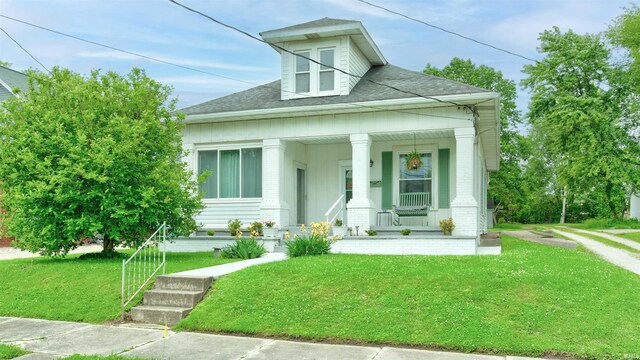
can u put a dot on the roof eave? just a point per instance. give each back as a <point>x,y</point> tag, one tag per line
<point>365,106</point>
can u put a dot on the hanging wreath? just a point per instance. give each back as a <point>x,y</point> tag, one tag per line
<point>414,161</point>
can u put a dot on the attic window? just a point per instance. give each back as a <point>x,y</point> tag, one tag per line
<point>327,77</point>
<point>303,72</point>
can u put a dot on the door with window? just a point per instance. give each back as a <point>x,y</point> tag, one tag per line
<point>346,184</point>
<point>301,195</point>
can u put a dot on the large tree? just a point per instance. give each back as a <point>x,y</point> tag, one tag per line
<point>505,186</point>
<point>100,154</point>
<point>577,110</point>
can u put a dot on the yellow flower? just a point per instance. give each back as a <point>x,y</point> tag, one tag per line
<point>287,235</point>
<point>238,233</point>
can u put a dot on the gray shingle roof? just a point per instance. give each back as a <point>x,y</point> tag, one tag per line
<point>316,23</point>
<point>14,79</point>
<point>267,96</point>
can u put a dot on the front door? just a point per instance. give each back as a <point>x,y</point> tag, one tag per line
<point>346,182</point>
<point>301,196</point>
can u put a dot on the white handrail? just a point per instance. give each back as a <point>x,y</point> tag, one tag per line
<point>140,268</point>
<point>338,202</point>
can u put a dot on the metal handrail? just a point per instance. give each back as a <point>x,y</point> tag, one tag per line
<point>338,202</point>
<point>143,265</point>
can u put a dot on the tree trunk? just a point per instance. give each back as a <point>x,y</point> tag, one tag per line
<point>612,206</point>
<point>564,205</point>
<point>108,244</point>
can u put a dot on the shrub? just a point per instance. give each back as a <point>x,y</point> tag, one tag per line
<point>211,232</point>
<point>234,226</point>
<point>308,245</point>
<point>339,222</point>
<point>269,223</point>
<point>255,229</point>
<point>609,224</point>
<point>371,232</point>
<point>447,225</point>
<point>405,232</point>
<point>243,249</point>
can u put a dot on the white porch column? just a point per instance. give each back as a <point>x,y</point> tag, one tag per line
<point>464,207</point>
<point>359,207</point>
<point>273,206</point>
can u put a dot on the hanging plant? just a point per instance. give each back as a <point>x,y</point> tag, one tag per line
<point>414,161</point>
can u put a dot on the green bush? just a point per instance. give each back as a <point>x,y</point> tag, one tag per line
<point>255,229</point>
<point>308,245</point>
<point>405,232</point>
<point>211,232</point>
<point>234,226</point>
<point>243,249</point>
<point>372,232</point>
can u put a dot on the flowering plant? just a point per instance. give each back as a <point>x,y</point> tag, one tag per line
<point>269,223</point>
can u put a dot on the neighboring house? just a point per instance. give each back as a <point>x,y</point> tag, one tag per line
<point>289,150</point>
<point>12,84</point>
<point>634,211</point>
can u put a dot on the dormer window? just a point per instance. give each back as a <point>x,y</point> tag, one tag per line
<point>312,78</point>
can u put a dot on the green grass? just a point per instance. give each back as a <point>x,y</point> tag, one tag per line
<point>635,236</point>
<point>74,290</point>
<point>10,352</point>
<point>507,226</point>
<point>595,224</point>
<point>532,300</point>
<point>605,241</point>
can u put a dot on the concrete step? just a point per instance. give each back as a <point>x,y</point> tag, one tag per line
<point>158,314</point>
<point>183,282</point>
<point>280,249</point>
<point>172,298</point>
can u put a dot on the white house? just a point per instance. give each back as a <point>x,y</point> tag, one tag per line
<point>290,150</point>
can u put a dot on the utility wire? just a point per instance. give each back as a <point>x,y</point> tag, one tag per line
<point>25,50</point>
<point>315,61</point>
<point>208,72</point>
<point>448,31</point>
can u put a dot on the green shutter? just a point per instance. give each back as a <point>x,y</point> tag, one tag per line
<point>443,179</point>
<point>387,180</point>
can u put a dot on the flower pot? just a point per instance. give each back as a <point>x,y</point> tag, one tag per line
<point>270,233</point>
<point>447,232</point>
<point>340,231</point>
<point>414,163</point>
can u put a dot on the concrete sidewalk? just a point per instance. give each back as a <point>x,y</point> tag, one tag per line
<point>219,270</point>
<point>630,243</point>
<point>54,339</point>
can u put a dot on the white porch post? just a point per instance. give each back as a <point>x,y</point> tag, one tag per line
<point>273,206</point>
<point>359,207</point>
<point>464,207</point>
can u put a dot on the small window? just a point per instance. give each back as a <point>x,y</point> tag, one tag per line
<point>303,72</point>
<point>327,73</point>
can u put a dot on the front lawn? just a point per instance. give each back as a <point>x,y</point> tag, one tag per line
<point>74,290</point>
<point>531,300</point>
<point>10,352</point>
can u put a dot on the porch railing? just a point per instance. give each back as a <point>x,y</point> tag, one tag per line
<point>337,209</point>
<point>140,268</point>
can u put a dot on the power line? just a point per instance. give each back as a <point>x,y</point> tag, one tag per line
<point>315,61</point>
<point>25,50</point>
<point>208,72</point>
<point>449,31</point>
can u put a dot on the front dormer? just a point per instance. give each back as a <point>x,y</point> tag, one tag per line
<point>341,44</point>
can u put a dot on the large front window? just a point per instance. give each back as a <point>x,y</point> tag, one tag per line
<point>416,180</point>
<point>235,173</point>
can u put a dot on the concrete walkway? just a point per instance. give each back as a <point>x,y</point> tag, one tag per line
<point>618,239</point>
<point>615,256</point>
<point>54,339</point>
<point>620,231</point>
<point>551,241</point>
<point>219,270</point>
<point>9,253</point>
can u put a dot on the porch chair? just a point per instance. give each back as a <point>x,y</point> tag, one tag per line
<point>416,204</point>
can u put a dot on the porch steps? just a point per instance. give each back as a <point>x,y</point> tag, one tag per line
<point>173,298</point>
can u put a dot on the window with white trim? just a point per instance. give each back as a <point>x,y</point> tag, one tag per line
<point>234,173</point>
<point>418,179</point>
<point>313,78</point>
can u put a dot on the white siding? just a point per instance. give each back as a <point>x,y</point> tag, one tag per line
<point>358,64</point>
<point>217,213</point>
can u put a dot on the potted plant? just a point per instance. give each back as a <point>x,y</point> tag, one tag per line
<point>414,161</point>
<point>234,227</point>
<point>447,226</point>
<point>339,229</point>
<point>270,230</point>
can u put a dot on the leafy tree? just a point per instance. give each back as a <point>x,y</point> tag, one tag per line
<point>91,155</point>
<point>506,185</point>
<point>579,116</point>
<point>5,63</point>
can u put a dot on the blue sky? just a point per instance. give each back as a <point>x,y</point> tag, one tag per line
<point>160,29</point>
